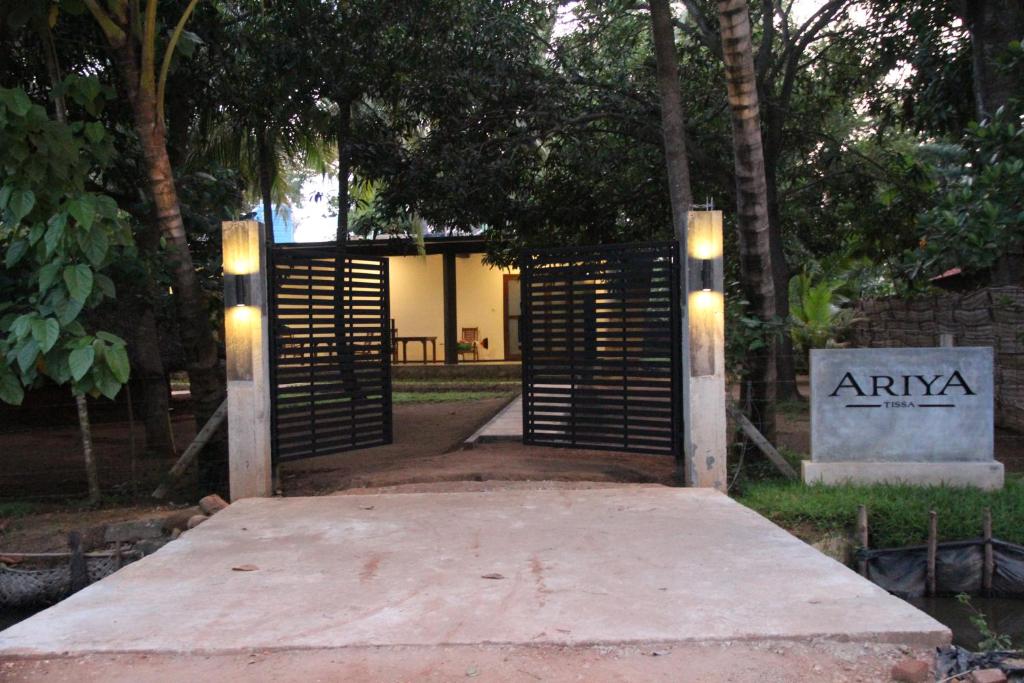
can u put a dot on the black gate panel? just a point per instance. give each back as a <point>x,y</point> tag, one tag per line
<point>330,352</point>
<point>601,348</point>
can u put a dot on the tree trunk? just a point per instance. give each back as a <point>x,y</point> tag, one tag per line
<point>673,118</point>
<point>344,133</point>
<point>751,202</point>
<point>785,355</point>
<point>266,173</point>
<point>993,25</point>
<point>205,375</point>
<point>152,383</point>
<point>91,474</point>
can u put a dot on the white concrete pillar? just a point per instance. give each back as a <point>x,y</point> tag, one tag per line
<point>247,345</point>
<point>706,426</point>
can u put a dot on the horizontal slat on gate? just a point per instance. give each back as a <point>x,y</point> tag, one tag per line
<point>601,347</point>
<point>330,360</point>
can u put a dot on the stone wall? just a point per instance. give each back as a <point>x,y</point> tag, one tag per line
<point>988,317</point>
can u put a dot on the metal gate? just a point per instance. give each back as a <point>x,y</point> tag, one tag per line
<point>601,348</point>
<point>330,365</point>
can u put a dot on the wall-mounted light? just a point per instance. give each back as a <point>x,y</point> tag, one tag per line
<point>236,290</point>
<point>704,244</point>
<point>242,313</point>
<point>706,275</point>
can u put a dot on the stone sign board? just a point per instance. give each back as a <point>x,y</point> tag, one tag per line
<point>919,415</point>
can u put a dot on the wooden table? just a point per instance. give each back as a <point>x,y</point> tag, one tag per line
<point>404,341</point>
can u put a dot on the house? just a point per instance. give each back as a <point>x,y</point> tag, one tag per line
<point>446,296</point>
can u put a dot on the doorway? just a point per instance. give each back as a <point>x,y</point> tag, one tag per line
<point>512,297</point>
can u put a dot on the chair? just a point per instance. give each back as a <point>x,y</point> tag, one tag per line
<point>469,342</point>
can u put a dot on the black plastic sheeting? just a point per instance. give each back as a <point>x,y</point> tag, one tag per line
<point>958,568</point>
<point>953,661</point>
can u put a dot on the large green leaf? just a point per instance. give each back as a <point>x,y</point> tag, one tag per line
<point>117,361</point>
<point>15,252</point>
<point>110,338</point>
<point>48,275</point>
<point>54,231</point>
<point>94,245</point>
<point>79,279</point>
<point>45,331</point>
<point>10,388</point>
<point>27,354</point>
<point>83,210</point>
<point>20,203</point>
<point>80,362</point>
<point>16,100</point>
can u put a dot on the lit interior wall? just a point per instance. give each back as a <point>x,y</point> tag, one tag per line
<point>417,301</point>
<point>479,303</point>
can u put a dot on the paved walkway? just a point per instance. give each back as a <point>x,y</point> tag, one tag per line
<point>506,426</point>
<point>577,568</point>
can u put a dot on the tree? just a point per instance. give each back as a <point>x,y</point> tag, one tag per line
<point>751,201</point>
<point>672,116</point>
<point>58,238</point>
<point>132,36</point>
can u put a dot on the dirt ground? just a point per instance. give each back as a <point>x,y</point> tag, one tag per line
<point>427,448</point>
<point>39,463</point>
<point>736,662</point>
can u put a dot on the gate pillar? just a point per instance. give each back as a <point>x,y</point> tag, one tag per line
<point>705,452</point>
<point>247,346</point>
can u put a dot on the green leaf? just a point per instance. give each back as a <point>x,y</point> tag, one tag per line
<point>80,362</point>
<point>94,132</point>
<point>27,355</point>
<point>10,388</point>
<point>20,203</point>
<point>111,338</point>
<point>22,325</point>
<point>117,361</point>
<point>16,100</point>
<point>78,278</point>
<point>5,196</point>
<point>94,245</point>
<point>54,232</point>
<point>68,310</point>
<point>82,210</point>
<point>15,252</point>
<point>105,285</point>
<point>48,275</point>
<point>45,331</point>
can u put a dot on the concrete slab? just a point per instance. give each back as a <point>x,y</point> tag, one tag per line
<point>506,426</point>
<point>987,476</point>
<point>549,567</point>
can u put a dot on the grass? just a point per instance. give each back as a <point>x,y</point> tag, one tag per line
<point>18,508</point>
<point>444,396</point>
<point>897,515</point>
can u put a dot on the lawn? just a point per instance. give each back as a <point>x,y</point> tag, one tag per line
<point>898,515</point>
<point>445,396</point>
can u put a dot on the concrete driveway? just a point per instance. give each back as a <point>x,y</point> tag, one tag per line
<point>571,568</point>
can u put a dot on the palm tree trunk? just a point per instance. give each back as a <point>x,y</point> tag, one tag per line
<point>673,118</point>
<point>751,202</point>
<point>266,175</point>
<point>192,313</point>
<point>91,474</point>
<point>344,133</point>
